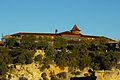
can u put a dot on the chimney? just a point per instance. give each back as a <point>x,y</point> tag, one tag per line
<point>56,31</point>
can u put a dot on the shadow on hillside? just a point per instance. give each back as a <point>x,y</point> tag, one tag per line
<point>83,78</point>
<point>90,77</point>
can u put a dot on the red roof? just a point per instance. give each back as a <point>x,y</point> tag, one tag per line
<point>75,28</point>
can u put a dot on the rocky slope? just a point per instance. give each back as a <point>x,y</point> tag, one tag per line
<point>33,72</point>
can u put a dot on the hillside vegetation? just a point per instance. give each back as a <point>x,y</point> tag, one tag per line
<point>85,53</point>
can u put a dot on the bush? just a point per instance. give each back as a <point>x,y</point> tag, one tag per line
<point>44,76</point>
<point>3,78</point>
<point>38,58</point>
<point>3,68</point>
<point>23,78</point>
<point>62,75</point>
<point>54,78</point>
<point>44,66</point>
<point>118,66</point>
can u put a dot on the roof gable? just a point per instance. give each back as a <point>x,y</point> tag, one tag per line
<point>75,28</point>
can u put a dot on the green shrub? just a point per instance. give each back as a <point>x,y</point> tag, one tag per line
<point>23,78</point>
<point>38,58</point>
<point>44,76</point>
<point>54,78</point>
<point>62,75</point>
<point>44,67</point>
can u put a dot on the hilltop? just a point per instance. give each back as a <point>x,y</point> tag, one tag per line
<point>45,59</point>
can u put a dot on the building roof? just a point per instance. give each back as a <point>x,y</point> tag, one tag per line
<point>27,33</point>
<point>65,33</point>
<point>89,36</point>
<point>68,33</point>
<point>75,28</point>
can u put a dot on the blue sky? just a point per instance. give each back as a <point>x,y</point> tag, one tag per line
<point>93,17</point>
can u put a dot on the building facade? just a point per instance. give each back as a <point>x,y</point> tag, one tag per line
<point>73,34</point>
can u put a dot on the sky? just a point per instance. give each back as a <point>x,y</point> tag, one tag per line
<point>93,17</point>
